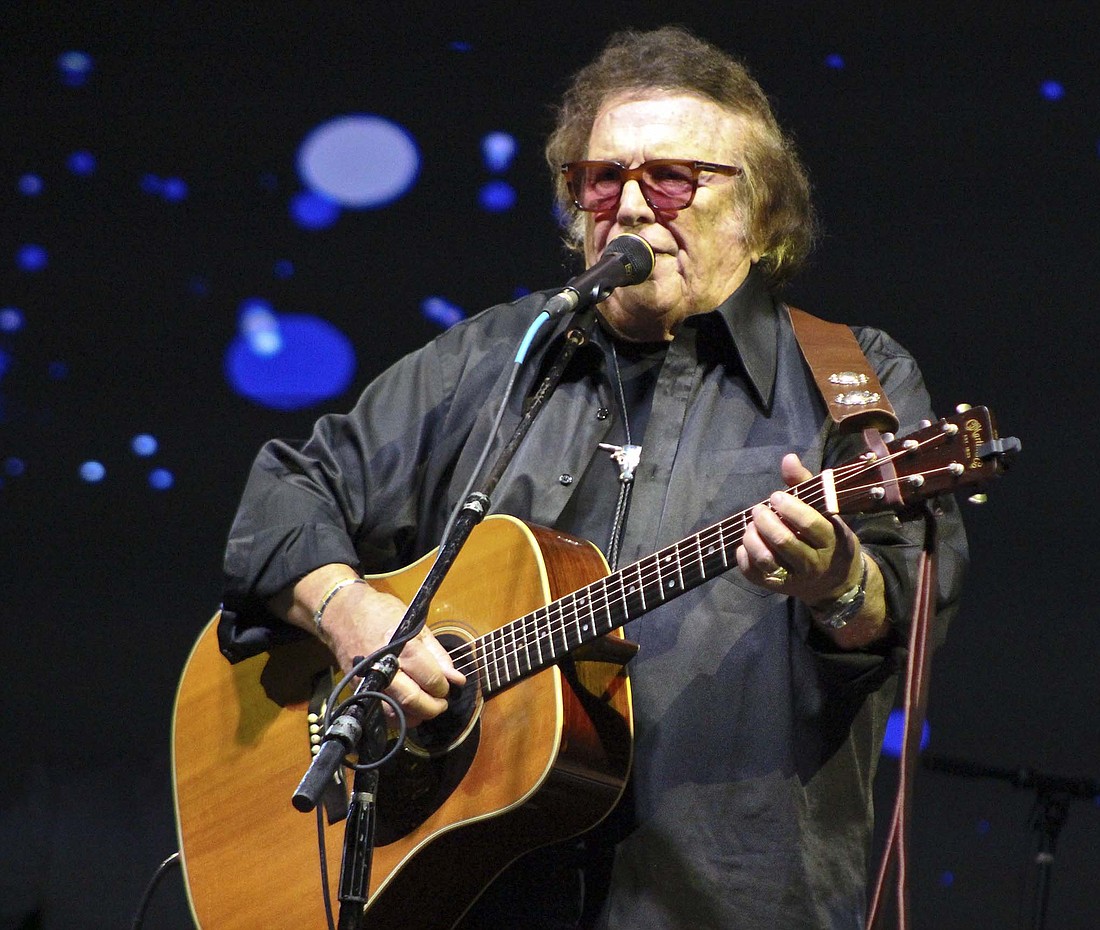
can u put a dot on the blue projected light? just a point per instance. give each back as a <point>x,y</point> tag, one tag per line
<point>92,472</point>
<point>498,149</point>
<point>32,257</point>
<point>834,61</point>
<point>260,328</point>
<point>14,467</point>
<point>313,211</point>
<point>283,268</point>
<point>11,320</point>
<point>497,196</point>
<point>144,445</point>
<point>895,730</point>
<point>173,189</point>
<point>359,161</point>
<point>30,185</point>
<point>82,163</point>
<point>161,479</point>
<point>1052,90</point>
<point>314,361</point>
<point>441,311</point>
<point>75,67</point>
<point>5,363</point>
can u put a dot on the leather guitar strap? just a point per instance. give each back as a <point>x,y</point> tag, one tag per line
<point>847,382</point>
<point>856,401</point>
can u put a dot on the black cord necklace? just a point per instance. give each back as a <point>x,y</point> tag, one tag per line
<point>627,457</point>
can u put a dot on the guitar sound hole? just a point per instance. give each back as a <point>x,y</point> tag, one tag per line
<point>441,734</point>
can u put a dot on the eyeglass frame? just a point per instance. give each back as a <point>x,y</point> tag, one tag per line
<point>635,174</point>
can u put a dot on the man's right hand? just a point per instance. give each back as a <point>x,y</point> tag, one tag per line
<point>358,620</point>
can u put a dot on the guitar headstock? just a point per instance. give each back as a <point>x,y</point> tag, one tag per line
<point>958,452</point>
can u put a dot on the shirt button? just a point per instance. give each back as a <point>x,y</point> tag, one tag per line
<point>565,478</point>
<point>603,413</point>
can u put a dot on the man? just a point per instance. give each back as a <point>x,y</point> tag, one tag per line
<point>760,698</point>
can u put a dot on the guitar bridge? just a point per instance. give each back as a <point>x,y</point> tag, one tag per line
<point>334,799</point>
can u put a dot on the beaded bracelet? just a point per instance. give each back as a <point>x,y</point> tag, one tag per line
<point>329,595</point>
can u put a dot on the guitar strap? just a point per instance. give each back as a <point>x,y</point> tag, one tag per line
<point>856,401</point>
<point>847,382</point>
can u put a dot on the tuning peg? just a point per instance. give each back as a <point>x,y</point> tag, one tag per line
<point>888,437</point>
<point>962,408</point>
<point>978,498</point>
<point>924,424</point>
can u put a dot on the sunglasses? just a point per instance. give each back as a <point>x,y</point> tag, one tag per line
<point>666,183</point>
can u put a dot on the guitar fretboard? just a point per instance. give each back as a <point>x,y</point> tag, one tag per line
<point>538,639</point>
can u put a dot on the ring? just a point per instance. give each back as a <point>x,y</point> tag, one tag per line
<point>779,575</point>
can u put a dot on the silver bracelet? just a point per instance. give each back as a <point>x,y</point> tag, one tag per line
<point>319,613</point>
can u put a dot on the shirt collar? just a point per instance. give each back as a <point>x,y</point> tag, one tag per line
<point>750,318</point>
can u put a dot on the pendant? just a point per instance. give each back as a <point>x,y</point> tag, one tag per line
<point>626,457</point>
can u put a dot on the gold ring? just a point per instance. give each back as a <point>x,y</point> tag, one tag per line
<point>778,576</point>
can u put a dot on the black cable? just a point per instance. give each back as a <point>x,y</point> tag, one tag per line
<point>143,906</point>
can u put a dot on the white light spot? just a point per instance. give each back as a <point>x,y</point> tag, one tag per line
<point>359,161</point>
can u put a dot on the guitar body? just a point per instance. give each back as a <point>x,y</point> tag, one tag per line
<point>542,760</point>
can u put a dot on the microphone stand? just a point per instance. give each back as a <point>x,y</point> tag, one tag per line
<point>346,733</point>
<point>1053,796</point>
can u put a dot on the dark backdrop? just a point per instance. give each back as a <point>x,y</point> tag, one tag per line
<point>960,208</point>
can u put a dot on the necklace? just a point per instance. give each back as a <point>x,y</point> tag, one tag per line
<point>627,457</point>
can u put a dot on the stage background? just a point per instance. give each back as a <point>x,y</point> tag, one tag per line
<point>150,182</point>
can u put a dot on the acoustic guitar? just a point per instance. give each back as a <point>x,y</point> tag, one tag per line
<point>535,748</point>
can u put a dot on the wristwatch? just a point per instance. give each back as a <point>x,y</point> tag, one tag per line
<point>845,607</point>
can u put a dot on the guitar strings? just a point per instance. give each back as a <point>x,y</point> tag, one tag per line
<point>500,649</point>
<point>495,648</point>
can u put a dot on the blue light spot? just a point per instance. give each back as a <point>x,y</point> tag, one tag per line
<point>834,61</point>
<point>199,286</point>
<point>895,730</point>
<point>984,827</point>
<point>460,46</point>
<point>497,196</point>
<point>441,312</point>
<point>82,163</point>
<point>30,185</point>
<point>258,324</point>
<point>14,467</point>
<point>75,67</point>
<point>5,363</point>
<point>58,370</point>
<point>151,184</point>
<point>947,878</point>
<point>173,189</point>
<point>32,258</point>
<point>144,445</point>
<point>92,472</point>
<point>315,363</point>
<point>1052,90</point>
<point>498,149</point>
<point>11,320</point>
<point>313,211</point>
<point>284,268</point>
<point>161,479</point>
<point>359,161</point>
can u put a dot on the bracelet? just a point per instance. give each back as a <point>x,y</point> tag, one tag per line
<point>319,613</point>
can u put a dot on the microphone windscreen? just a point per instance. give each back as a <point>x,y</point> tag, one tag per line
<point>637,256</point>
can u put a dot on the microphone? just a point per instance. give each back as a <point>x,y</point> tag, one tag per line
<point>628,259</point>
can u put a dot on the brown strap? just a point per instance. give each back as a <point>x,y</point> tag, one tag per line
<point>848,385</point>
<point>895,855</point>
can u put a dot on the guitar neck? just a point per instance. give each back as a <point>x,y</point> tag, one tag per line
<point>538,639</point>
